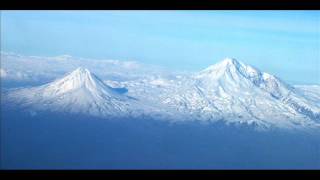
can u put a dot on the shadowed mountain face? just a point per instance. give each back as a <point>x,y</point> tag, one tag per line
<point>64,141</point>
<point>229,91</point>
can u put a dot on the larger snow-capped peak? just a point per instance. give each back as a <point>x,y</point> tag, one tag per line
<point>230,66</point>
<point>233,73</point>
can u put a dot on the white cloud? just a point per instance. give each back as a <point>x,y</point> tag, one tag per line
<point>35,68</point>
<point>3,73</point>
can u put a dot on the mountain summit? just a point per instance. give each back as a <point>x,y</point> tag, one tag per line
<point>232,74</point>
<point>79,78</point>
<point>231,70</point>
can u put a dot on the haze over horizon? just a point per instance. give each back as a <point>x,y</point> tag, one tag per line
<point>283,43</point>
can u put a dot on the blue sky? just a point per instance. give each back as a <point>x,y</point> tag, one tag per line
<point>284,43</point>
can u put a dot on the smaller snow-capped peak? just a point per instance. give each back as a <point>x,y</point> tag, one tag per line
<point>78,92</point>
<point>80,71</point>
<point>79,78</point>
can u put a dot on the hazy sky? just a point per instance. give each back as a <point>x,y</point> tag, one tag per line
<point>284,43</point>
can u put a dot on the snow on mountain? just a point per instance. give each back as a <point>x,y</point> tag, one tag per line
<point>229,91</point>
<point>234,74</point>
<point>306,99</point>
<point>234,93</point>
<point>78,92</point>
<point>312,92</point>
<point>244,90</point>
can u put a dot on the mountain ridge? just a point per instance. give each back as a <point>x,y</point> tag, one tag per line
<point>230,91</point>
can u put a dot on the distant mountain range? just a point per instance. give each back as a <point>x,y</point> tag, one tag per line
<point>229,91</point>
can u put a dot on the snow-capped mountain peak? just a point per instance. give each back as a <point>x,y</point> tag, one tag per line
<point>232,67</point>
<point>226,63</point>
<point>79,78</point>
<point>232,73</point>
<point>79,92</point>
<point>235,75</point>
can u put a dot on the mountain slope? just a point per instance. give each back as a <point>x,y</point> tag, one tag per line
<point>234,93</point>
<point>229,91</point>
<point>250,93</point>
<point>78,92</point>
